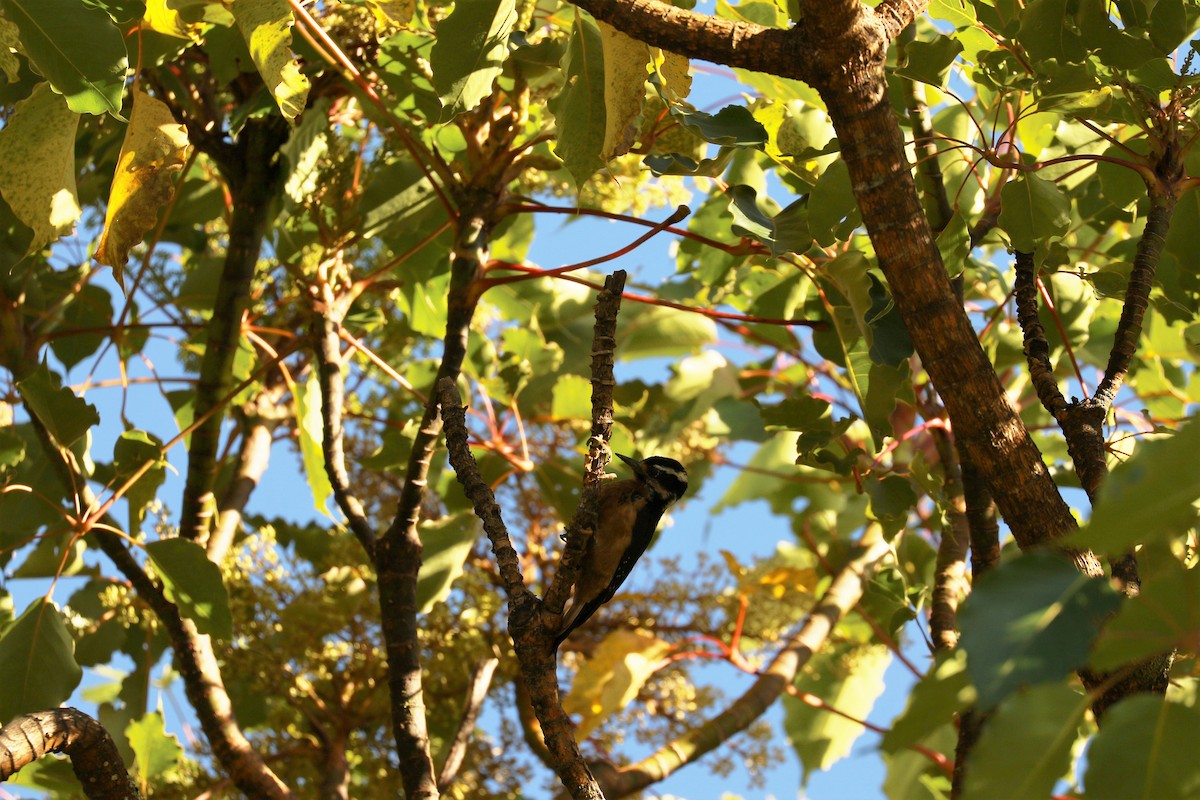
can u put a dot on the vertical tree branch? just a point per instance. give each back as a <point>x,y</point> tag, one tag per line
<point>398,551</point>
<point>950,569</point>
<point>1037,349</point>
<point>253,171</point>
<point>581,528</point>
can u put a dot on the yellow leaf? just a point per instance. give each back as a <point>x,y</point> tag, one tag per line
<point>735,566</point>
<point>613,676</point>
<point>625,61</point>
<point>9,41</point>
<point>164,19</point>
<point>673,69</point>
<point>37,165</point>
<point>154,149</point>
<point>392,13</point>
<point>266,25</point>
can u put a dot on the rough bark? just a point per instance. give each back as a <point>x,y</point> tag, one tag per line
<point>95,759</point>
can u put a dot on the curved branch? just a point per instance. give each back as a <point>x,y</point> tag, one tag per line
<point>950,570</point>
<point>95,759</point>
<point>841,596</point>
<point>1037,349</point>
<point>194,658</point>
<point>477,690</point>
<point>695,35</point>
<point>333,387</point>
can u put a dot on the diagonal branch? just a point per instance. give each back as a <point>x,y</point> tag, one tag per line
<point>477,690</point>
<point>1037,349</point>
<point>841,596</point>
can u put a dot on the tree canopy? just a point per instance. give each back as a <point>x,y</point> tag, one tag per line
<point>256,237</point>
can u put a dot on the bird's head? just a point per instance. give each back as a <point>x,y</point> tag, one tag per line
<point>665,477</point>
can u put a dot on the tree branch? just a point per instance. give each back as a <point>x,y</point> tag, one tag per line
<point>1037,349</point>
<point>950,569</point>
<point>581,528</point>
<point>95,759</point>
<point>531,638</point>
<point>695,35</point>
<point>477,691</point>
<point>841,596</point>
<point>397,553</point>
<point>253,174</point>
<point>1137,295</point>
<point>328,350</point>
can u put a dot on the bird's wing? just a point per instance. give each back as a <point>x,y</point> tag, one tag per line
<point>577,615</point>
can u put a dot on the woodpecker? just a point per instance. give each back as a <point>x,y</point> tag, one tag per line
<point>629,513</point>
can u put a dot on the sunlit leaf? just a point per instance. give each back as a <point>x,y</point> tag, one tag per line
<point>266,25</point>
<point>155,751</point>
<point>612,676</point>
<point>194,584</point>
<point>311,430</point>
<point>154,151</point>
<point>579,113</point>
<point>37,661</point>
<point>1034,209</point>
<point>848,680</point>
<point>79,50</point>
<point>37,165</point>
<point>446,544</point>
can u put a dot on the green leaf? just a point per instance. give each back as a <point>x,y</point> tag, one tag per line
<point>37,662</point>
<point>77,47</point>
<point>1034,209</point>
<point>892,498</point>
<point>37,165</point>
<point>132,450</point>
<point>929,61</point>
<point>12,448</point>
<point>447,543</point>
<point>66,415</point>
<point>1030,620</point>
<point>578,109</point>
<point>1046,33</point>
<point>958,13</point>
<point>850,680</point>
<point>832,207</point>
<point>1037,729</point>
<point>312,435</point>
<point>786,232</point>
<point>469,52</point>
<point>572,398</point>
<point>1146,750</point>
<point>1164,616</point>
<point>1163,470</point>
<point>661,331</point>
<point>954,243</point>
<point>934,701</point>
<point>194,584</point>
<point>677,164</point>
<point>155,751</point>
<point>266,25</point>
<point>732,126</point>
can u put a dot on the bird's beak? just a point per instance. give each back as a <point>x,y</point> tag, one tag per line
<point>634,465</point>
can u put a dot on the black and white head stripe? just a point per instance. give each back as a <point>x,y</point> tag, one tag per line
<point>667,474</point>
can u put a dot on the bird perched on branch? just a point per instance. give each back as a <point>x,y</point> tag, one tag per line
<point>629,513</point>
